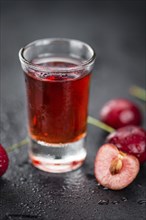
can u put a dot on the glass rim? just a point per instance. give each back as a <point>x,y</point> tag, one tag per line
<point>44,41</point>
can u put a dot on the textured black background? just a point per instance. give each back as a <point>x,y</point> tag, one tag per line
<point>116,30</point>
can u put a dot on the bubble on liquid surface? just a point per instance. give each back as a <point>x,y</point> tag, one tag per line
<point>50,71</point>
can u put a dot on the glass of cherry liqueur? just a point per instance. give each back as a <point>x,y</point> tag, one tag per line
<point>57,74</point>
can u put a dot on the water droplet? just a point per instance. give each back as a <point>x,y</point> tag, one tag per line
<point>23,179</point>
<point>105,188</point>
<point>56,208</point>
<point>142,201</point>
<point>139,185</point>
<point>124,199</point>
<point>14,184</point>
<point>115,202</point>
<point>103,202</point>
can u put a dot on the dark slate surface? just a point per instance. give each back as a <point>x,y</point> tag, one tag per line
<point>117,32</point>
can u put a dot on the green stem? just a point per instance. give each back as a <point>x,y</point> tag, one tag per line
<point>138,92</point>
<point>18,145</point>
<point>100,124</point>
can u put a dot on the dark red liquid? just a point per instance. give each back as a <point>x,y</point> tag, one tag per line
<point>57,105</point>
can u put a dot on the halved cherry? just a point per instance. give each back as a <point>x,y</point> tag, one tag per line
<point>115,169</point>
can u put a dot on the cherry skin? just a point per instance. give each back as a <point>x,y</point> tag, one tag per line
<point>4,160</point>
<point>118,113</point>
<point>130,139</point>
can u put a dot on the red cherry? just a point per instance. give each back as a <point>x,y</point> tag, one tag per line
<point>4,160</point>
<point>118,113</point>
<point>130,139</point>
<point>115,169</point>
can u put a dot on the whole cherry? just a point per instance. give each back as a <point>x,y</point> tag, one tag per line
<point>118,113</point>
<point>130,139</point>
<point>4,160</point>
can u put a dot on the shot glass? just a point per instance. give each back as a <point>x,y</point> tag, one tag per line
<point>57,74</point>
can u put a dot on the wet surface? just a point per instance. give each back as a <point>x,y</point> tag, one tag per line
<point>117,33</point>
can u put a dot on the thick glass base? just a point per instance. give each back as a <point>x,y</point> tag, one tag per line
<point>57,158</point>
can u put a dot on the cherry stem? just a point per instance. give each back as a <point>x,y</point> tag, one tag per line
<point>100,124</point>
<point>90,120</point>
<point>138,92</point>
<point>18,145</point>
